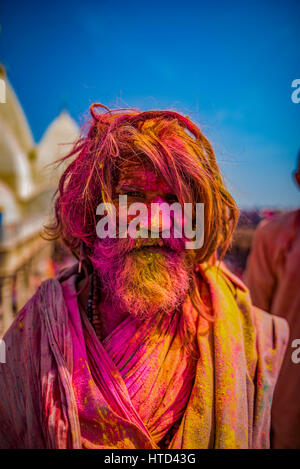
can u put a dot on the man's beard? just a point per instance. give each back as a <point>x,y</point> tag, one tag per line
<point>140,281</point>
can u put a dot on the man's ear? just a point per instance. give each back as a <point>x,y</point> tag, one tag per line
<point>297,178</point>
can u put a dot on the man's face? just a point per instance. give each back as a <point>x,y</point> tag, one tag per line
<point>144,275</point>
<point>144,186</point>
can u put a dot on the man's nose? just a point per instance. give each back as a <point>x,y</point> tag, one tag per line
<point>158,216</point>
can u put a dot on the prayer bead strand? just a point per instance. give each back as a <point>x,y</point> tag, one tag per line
<point>93,312</point>
<point>90,302</point>
<point>96,312</point>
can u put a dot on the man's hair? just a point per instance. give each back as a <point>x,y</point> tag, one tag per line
<point>170,144</point>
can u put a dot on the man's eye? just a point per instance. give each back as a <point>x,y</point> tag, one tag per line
<point>171,198</point>
<point>134,194</point>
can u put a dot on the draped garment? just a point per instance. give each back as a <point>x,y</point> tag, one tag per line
<point>62,388</point>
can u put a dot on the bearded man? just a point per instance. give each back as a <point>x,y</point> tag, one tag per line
<point>144,343</point>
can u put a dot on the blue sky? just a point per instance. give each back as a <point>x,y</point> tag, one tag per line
<point>227,64</point>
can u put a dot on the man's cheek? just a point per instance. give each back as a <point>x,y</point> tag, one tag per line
<point>123,221</point>
<point>179,222</point>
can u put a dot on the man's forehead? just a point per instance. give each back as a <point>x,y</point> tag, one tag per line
<point>142,177</point>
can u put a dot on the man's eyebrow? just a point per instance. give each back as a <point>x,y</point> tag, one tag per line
<point>127,187</point>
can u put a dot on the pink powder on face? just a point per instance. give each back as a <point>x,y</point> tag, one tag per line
<point>141,184</point>
<point>145,180</point>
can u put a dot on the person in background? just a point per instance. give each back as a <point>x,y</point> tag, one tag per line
<point>273,277</point>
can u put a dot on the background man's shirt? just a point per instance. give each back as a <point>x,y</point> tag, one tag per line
<point>273,277</point>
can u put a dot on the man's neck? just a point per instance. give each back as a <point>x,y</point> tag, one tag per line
<point>111,315</point>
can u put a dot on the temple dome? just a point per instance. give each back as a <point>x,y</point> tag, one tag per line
<point>12,113</point>
<point>27,184</point>
<point>9,206</point>
<point>56,142</point>
<point>15,169</point>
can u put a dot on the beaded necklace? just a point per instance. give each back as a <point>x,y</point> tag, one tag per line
<point>93,312</point>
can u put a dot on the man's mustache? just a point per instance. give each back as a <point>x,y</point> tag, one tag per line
<point>118,248</point>
<point>115,250</point>
<point>172,244</point>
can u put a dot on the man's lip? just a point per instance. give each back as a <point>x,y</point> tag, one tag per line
<point>155,248</point>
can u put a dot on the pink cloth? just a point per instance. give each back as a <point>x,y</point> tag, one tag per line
<point>154,375</point>
<point>62,388</point>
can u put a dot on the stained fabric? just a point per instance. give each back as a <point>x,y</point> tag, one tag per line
<point>62,388</point>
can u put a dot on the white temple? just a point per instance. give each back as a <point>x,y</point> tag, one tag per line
<point>27,185</point>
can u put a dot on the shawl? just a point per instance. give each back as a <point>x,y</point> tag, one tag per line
<point>62,388</point>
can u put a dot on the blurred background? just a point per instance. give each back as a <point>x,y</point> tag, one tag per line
<point>229,65</point>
